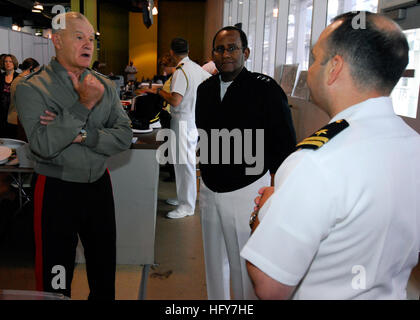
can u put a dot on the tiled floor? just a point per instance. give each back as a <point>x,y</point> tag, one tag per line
<point>179,273</point>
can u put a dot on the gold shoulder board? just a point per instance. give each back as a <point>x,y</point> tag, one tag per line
<point>323,135</point>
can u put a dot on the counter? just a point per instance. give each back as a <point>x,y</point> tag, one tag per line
<point>135,181</point>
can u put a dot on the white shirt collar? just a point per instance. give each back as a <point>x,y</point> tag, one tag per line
<point>381,106</point>
<point>183,60</point>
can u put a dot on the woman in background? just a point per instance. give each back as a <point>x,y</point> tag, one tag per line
<point>9,64</point>
<point>28,66</point>
<point>166,68</point>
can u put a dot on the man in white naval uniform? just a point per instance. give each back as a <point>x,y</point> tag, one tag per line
<point>344,219</point>
<point>185,80</point>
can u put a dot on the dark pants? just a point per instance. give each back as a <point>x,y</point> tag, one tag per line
<point>63,210</point>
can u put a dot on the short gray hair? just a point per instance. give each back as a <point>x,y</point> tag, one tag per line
<point>66,16</point>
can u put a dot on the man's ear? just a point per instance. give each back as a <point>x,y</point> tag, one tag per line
<point>57,41</point>
<point>246,53</point>
<point>335,66</point>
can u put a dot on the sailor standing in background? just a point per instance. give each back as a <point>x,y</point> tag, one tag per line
<point>185,80</point>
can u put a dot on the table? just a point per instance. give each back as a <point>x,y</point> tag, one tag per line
<point>30,295</point>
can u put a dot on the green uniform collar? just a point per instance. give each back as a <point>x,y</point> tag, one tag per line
<point>62,73</point>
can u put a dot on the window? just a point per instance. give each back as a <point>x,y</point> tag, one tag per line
<point>227,13</point>
<point>252,31</point>
<point>241,13</point>
<point>299,33</point>
<point>270,32</point>
<point>405,96</point>
<point>267,55</point>
<point>336,7</point>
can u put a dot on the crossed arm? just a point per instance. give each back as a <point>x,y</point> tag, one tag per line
<point>50,131</point>
<point>173,98</point>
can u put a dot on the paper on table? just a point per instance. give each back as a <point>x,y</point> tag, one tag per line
<point>5,153</point>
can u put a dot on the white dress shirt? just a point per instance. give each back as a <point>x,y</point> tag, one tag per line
<point>344,220</point>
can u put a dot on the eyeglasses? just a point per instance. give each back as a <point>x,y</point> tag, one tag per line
<point>221,49</point>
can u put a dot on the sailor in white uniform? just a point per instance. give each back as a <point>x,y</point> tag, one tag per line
<point>185,80</point>
<point>344,220</point>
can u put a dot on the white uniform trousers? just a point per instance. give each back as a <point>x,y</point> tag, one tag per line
<point>225,224</point>
<point>184,162</point>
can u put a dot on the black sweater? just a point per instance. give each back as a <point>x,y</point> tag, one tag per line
<point>253,101</point>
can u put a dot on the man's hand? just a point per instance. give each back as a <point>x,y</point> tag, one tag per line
<point>47,118</point>
<point>173,98</point>
<point>90,90</point>
<point>78,139</point>
<point>265,193</point>
<point>148,90</point>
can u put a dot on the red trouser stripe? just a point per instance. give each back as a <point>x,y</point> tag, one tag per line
<point>38,199</point>
<point>109,173</point>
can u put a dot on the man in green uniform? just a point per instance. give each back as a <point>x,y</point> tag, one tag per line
<point>74,121</point>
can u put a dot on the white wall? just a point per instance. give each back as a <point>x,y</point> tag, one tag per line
<point>23,45</point>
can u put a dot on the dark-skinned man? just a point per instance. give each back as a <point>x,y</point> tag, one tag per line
<point>253,107</point>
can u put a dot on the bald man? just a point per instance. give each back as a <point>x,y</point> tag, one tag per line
<point>74,122</point>
<point>344,220</point>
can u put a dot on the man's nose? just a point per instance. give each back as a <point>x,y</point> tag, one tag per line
<point>88,44</point>
<point>227,53</point>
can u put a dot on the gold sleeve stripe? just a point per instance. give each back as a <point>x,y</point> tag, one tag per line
<point>315,143</point>
<point>322,139</point>
<point>156,118</point>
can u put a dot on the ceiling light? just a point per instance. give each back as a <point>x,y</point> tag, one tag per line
<point>154,11</point>
<point>38,6</point>
<point>15,27</point>
<point>36,10</point>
